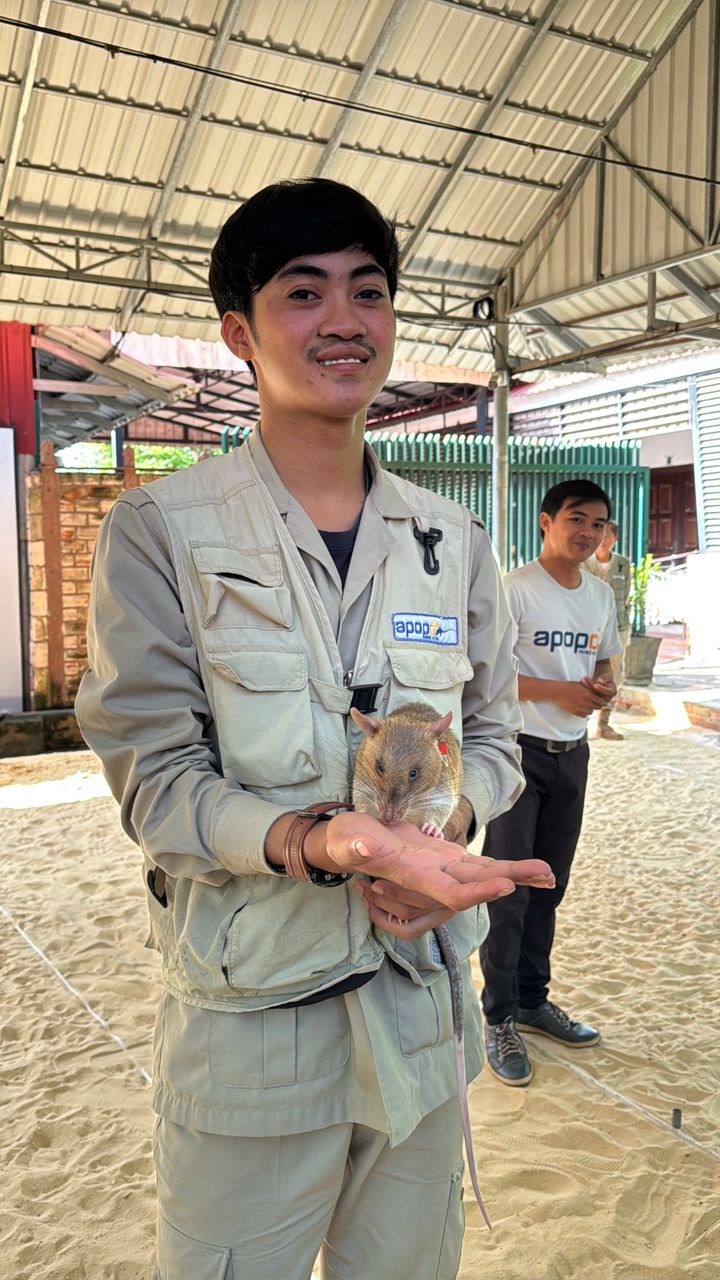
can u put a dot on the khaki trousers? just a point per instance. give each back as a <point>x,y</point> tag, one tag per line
<point>264,1208</point>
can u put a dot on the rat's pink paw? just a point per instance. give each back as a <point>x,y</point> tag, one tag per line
<point>429,829</point>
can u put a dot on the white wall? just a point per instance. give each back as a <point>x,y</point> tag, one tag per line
<point>703,607</point>
<point>10,645</point>
<point>669,449</point>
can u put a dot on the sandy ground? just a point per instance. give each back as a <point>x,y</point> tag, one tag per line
<point>584,1175</point>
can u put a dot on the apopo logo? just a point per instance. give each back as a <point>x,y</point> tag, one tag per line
<point>425,626</point>
<point>578,641</point>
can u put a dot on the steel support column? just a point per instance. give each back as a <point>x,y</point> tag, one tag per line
<point>650,317</point>
<point>499,510</point>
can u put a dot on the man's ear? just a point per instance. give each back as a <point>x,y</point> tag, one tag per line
<point>545,521</point>
<point>237,335</point>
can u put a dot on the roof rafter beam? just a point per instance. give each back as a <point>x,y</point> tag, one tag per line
<point>124,377</point>
<point>21,109</point>
<point>384,40</point>
<point>573,182</point>
<point>666,332</point>
<point>486,118</point>
<point>709,334</point>
<point>207,84</point>
<point>694,289</point>
<point>93,240</point>
<point>564,336</point>
<point>142,284</point>
<point>267,48</point>
<point>95,237</point>
<point>620,277</point>
<point>137,184</point>
<point>653,192</point>
<point>562,33</point>
<point>285,135</point>
<point>96,390</point>
<point>457,288</point>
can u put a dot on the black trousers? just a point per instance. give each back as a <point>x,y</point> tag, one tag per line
<point>544,823</point>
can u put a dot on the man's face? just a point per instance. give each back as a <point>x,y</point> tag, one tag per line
<point>322,336</point>
<point>576,531</point>
<point>609,539</point>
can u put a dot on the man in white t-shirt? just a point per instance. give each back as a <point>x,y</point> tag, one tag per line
<point>565,637</point>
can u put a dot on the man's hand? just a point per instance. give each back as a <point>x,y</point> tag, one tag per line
<point>604,686</point>
<point>409,914</point>
<point>582,697</point>
<point>436,870</point>
<point>401,911</point>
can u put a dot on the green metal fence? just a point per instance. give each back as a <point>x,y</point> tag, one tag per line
<point>460,467</point>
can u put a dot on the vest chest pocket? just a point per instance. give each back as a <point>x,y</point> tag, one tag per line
<point>263,716</point>
<point>242,588</point>
<point>436,676</point>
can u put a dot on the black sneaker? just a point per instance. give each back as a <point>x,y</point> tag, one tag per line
<point>551,1021</point>
<point>506,1054</point>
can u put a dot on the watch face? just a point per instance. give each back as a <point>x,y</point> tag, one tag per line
<point>327,879</point>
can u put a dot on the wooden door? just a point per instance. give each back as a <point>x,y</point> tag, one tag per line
<point>672,529</point>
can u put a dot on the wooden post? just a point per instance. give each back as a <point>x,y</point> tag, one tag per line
<point>50,513</point>
<point>130,475</point>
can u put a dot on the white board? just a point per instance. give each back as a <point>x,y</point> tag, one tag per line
<point>11,699</point>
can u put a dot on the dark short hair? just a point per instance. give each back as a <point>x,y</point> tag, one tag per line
<point>574,492</point>
<point>288,219</point>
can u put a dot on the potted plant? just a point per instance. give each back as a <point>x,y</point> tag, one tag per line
<point>642,650</point>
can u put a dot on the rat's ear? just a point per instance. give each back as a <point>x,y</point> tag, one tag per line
<point>439,726</point>
<point>368,724</point>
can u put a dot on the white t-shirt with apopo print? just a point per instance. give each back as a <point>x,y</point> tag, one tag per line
<point>560,634</point>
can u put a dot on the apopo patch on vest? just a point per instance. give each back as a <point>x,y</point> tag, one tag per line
<point>428,627</point>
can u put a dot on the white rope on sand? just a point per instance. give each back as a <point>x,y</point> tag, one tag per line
<point>73,992</point>
<point>585,1076</point>
<point>637,1107</point>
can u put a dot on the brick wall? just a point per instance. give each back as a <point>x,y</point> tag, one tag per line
<point>64,514</point>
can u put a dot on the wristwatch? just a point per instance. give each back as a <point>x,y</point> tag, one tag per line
<point>294,846</point>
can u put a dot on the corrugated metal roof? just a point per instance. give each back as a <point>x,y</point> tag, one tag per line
<point>88,199</point>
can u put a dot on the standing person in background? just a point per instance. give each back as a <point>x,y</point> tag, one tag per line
<point>616,570</point>
<point>565,638</point>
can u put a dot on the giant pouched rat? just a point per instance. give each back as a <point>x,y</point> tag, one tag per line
<point>408,768</point>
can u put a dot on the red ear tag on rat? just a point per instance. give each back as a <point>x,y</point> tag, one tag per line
<point>443,749</point>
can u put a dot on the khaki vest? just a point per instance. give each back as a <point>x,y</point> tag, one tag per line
<point>270,666</point>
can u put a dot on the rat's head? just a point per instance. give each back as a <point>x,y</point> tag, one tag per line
<point>400,766</point>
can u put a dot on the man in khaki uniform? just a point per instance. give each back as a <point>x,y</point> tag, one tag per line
<point>303,1067</point>
<point>616,570</point>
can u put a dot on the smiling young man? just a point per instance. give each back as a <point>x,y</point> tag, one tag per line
<point>304,1067</point>
<point>565,638</point>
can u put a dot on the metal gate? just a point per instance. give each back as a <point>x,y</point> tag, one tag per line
<point>460,467</point>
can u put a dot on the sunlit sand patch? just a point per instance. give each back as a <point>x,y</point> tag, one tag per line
<point>39,795</point>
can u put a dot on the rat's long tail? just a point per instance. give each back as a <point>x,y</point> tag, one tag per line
<point>450,959</point>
